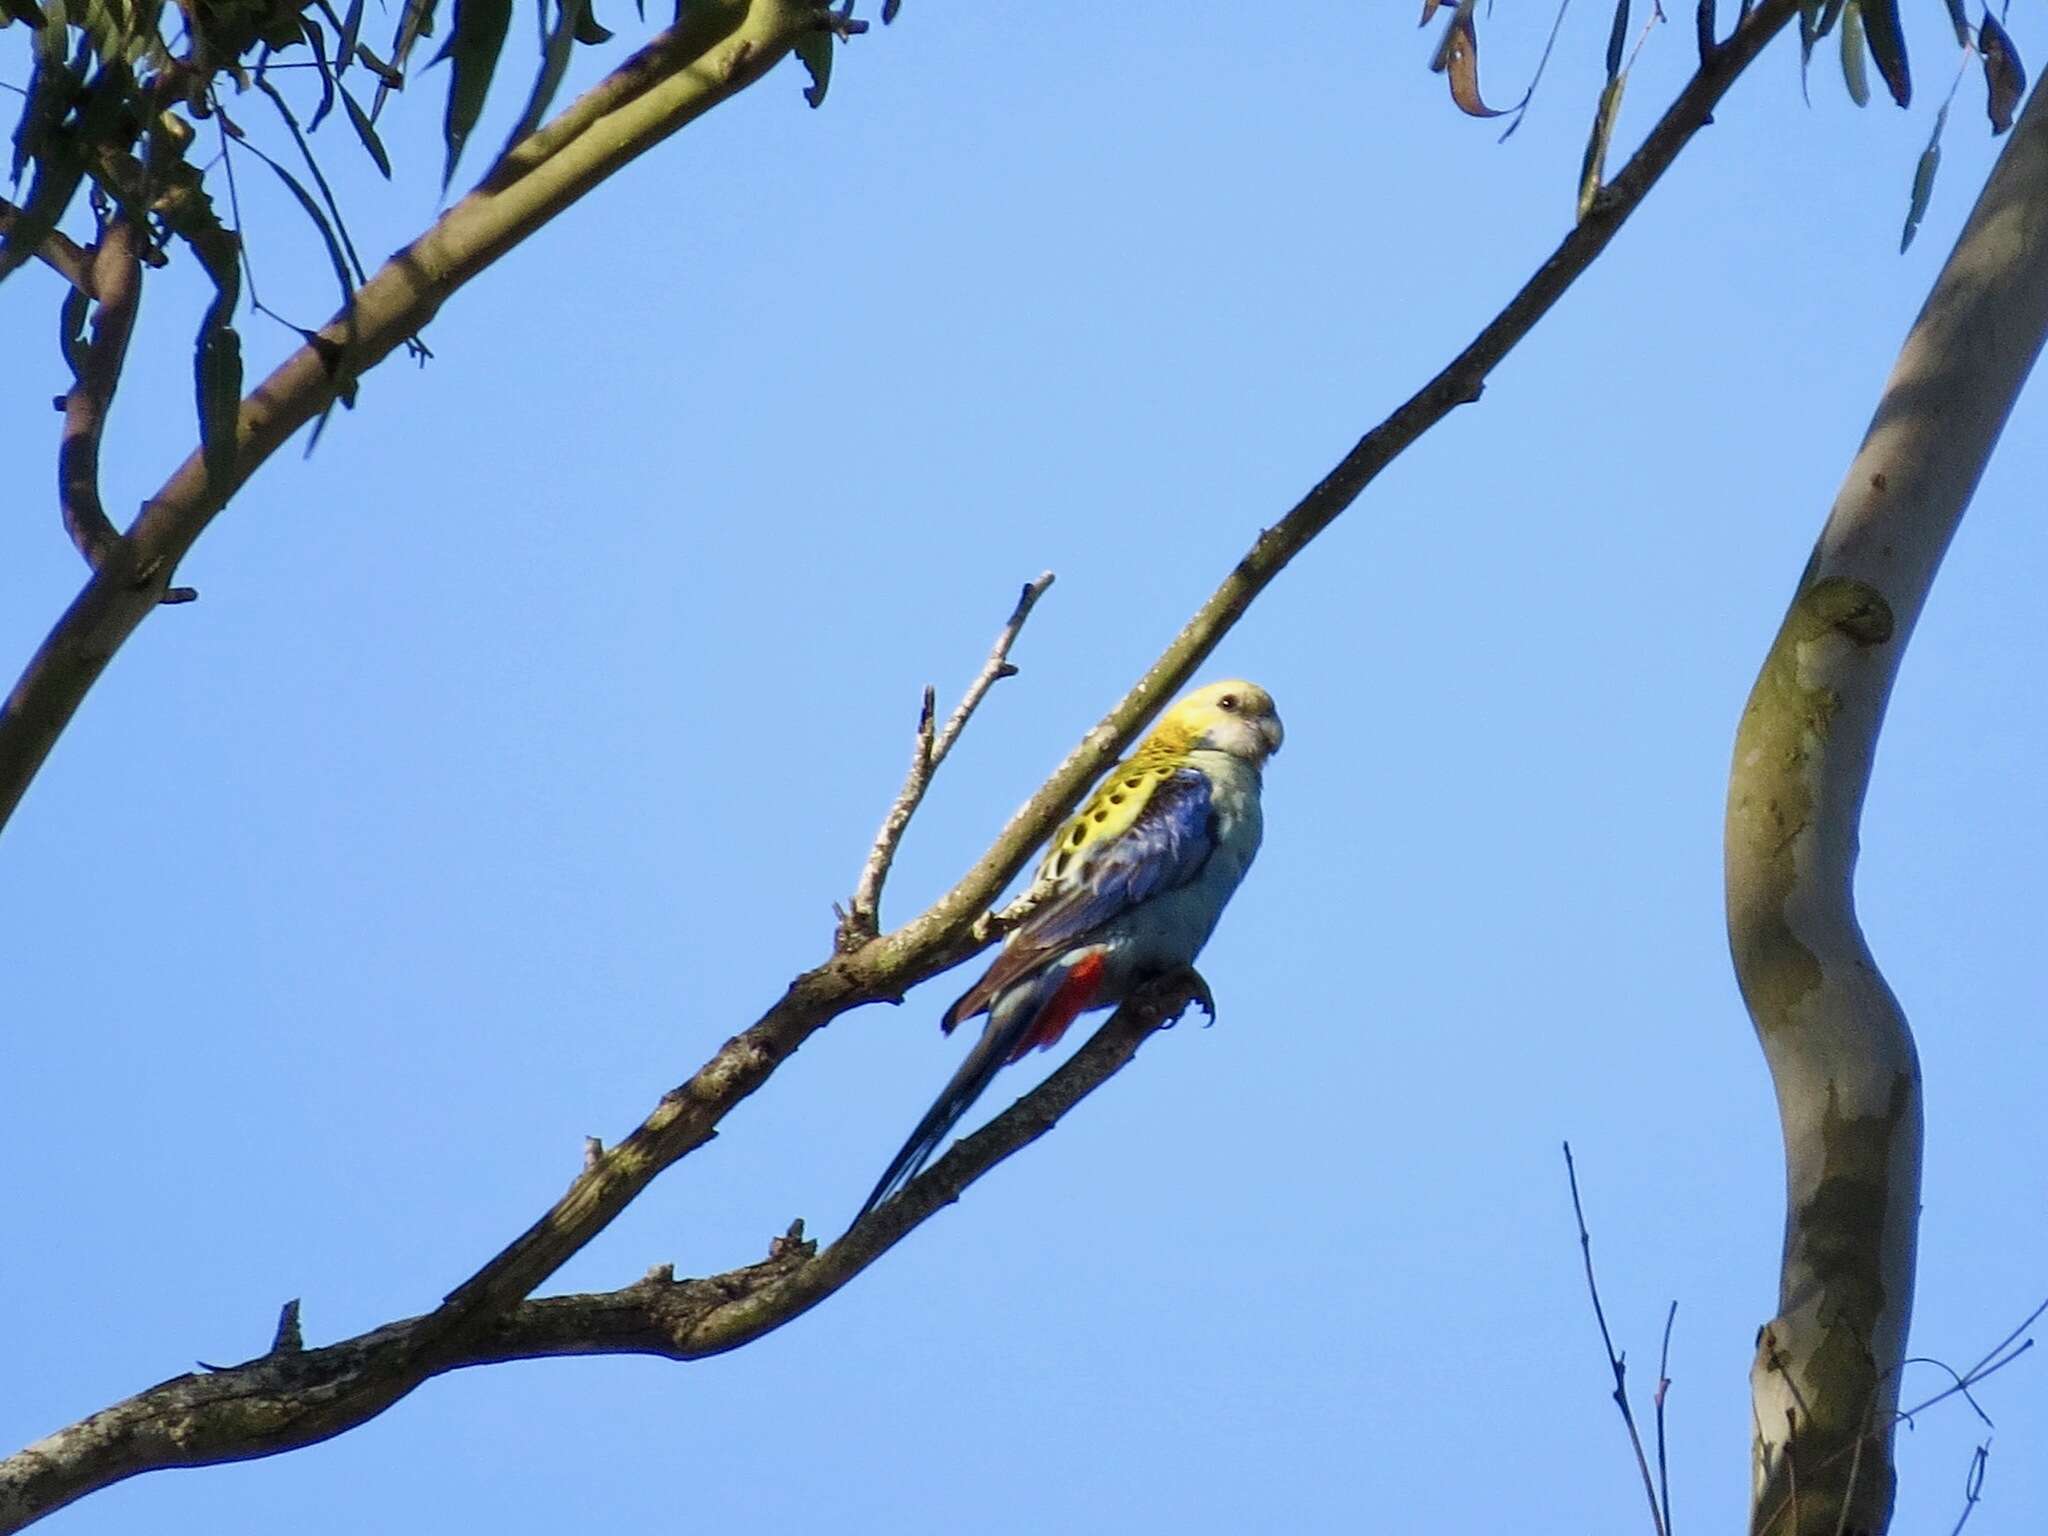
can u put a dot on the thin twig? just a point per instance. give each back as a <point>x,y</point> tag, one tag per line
<point>1973,1487</point>
<point>862,919</point>
<point>58,252</point>
<point>116,278</point>
<point>1663,1390</point>
<point>1615,1361</point>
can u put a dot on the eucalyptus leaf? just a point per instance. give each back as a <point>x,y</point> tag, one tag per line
<point>473,46</point>
<point>2005,77</point>
<point>1854,75</point>
<point>1888,47</point>
<point>815,50</point>
<point>1923,181</point>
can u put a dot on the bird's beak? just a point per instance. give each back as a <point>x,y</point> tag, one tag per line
<point>1274,732</point>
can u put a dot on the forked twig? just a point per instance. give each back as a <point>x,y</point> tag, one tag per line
<point>862,918</point>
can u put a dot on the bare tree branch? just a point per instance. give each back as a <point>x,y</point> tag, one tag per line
<point>863,915</point>
<point>683,73</point>
<point>116,278</point>
<point>60,254</point>
<point>292,1396</point>
<point>1826,1378</point>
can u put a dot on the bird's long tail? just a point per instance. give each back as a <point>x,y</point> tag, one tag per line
<point>1035,1014</point>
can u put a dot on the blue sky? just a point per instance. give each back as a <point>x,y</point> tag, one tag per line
<point>521,740</point>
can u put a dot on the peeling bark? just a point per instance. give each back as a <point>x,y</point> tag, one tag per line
<point>1825,1381</point>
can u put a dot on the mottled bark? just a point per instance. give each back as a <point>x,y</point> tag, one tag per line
<point>1825,1381</point>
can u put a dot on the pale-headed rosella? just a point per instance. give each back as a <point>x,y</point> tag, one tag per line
<point>1130,890</point>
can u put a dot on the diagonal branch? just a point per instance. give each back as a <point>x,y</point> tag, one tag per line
<point>116,278</point>
<point>678,76</point>
<point>293,1397</point>
<point>713,53</point>
<point>59,253</point>
<point>863,914</point>
<point>1825,1382</point>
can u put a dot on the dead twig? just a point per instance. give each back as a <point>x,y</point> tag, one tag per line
<point>1617,1363</point>
<point>861,920</point>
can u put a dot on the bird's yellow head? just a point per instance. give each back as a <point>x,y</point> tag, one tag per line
<point>1235,717</point>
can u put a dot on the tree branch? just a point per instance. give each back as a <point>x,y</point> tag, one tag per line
<point>60,254</point>
<point>718,49</point>
<point>116,278</point>
<point>863,915</point>
<point>1825,1382</point>
<point>293,1397</point>
<point>681,74</point>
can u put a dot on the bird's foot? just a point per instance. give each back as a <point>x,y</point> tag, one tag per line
<point>1176,990</point>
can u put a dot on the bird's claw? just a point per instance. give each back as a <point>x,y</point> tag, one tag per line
<point>1187,987</point>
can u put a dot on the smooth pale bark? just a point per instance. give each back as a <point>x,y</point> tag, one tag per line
<point>1825,1381</point>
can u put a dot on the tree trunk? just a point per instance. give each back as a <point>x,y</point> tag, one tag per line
<point>1825,1381</point>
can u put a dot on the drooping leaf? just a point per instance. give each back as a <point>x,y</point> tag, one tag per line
<point>217,359</point>
<point>815,50</point>
<point>1961,22</point>
<point>338,229</point>
<point>1429,8</point>
<point>59,164</point>
<point>1458,57</point>
<point>473,46</point>
<point>1595,166</point>
<point>559,41</point>
<point>1830,13</point>
<point>219,371</point>
<point>889,10</point>
<point>1854,75</point>
<point>1923,181</point>
<point>588,31</point>
<point>366,131</point>
<point>1888,47</point>
<point>318,40</point>
<point>2005,77</point>
<point>1809,34</point>
<point>351,31</point>
<point>1617,39</point>
<point>71,330</point>
<point>313,211</point>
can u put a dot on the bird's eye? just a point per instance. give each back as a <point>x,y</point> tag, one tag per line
<point>1228,701</point>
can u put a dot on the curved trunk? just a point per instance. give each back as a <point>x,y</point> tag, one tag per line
<point>1826,1376</point>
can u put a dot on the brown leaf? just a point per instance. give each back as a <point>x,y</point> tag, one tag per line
<point>2005,77</point>
<point>1428,10</point>
<point>1458,56</point>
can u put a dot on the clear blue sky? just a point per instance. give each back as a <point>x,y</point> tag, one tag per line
<point>521,740</point>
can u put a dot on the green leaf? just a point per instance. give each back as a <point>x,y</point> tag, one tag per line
<point>388,78</point>
<point>1888,47</point>
<point>71,330</point>
<point>815,49</point>
<point>588,32</point>
<point>1617,38</point>
<point>473,46</point>
<point>326,71</point>
<point>554,63</point>
<point>351,29</point>
<point>1854,75</point>
<point>1595,164</point>
<point>218,368</point>
<point>1923,180</point>
<point>2005,77</point>
<point>360,121</point>
<point>335,234</point>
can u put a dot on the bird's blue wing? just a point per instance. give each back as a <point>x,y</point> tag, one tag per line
<point>1165,847</point>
